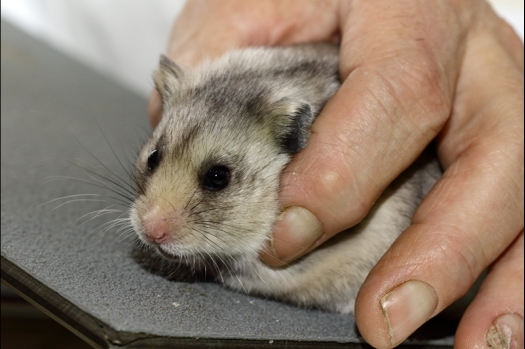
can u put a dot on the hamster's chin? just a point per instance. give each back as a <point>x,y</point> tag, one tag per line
<point>167,255</point>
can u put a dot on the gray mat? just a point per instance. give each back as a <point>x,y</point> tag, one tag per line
<point>53,113</point>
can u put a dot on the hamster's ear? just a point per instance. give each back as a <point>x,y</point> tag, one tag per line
<point>292,121</point>
<point>167,78</point>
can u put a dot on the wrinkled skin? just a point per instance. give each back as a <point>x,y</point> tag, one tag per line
<point>412,71</point>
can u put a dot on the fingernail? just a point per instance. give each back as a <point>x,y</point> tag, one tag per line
<point>407,307</point>
<point>295,231</point>
<point>506,332</point>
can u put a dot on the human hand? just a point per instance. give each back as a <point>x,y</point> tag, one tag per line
<point>412,71</point>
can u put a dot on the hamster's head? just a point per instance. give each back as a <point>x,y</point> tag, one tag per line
<point>207,180</point>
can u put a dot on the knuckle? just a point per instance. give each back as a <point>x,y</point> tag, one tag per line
<point>456,256</point>
<point>419,88</point>
<point>338,191</point>
<point>424,84</point>
<point>337,186</point>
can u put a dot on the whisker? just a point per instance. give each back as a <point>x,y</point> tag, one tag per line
<point>97,213</point>
<point>94,157</point>
<point>98,176</point>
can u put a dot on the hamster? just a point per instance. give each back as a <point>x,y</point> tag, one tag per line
<point>207,180</point>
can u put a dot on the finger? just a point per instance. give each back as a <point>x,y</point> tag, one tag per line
<point>437,259</point>
<point>154,108</point>
<point>395,97</point>
<point>209,28</point>
<point>472,214</point>
<point>495,318</point>
<point>204,29</point>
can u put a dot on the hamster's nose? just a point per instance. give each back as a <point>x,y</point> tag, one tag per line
<point>157,239</point>
<point>161,224</point>
<point>156,230</point>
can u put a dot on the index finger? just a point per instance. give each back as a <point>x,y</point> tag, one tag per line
<point>398,82</point>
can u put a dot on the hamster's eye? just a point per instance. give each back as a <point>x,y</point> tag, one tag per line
<point>216,178</point>
<point>153,160</point>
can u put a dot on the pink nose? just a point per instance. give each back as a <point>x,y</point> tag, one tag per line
<point>157,239</point>
<point>156,230</point>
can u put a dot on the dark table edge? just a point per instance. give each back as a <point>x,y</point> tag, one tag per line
<point>53,305</point>
<point>101,335</point>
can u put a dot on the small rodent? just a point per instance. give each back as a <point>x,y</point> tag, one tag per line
<point>208,178</point>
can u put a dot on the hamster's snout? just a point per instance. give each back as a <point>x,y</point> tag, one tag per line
<point>158,228</point>
<point>156,234</point>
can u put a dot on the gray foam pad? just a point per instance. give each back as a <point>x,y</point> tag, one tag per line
<point>57,114</point>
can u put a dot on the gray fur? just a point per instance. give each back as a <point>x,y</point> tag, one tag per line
<point>250,111</point>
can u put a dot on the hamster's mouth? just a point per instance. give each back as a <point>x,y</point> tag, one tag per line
<point>168,255</point>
